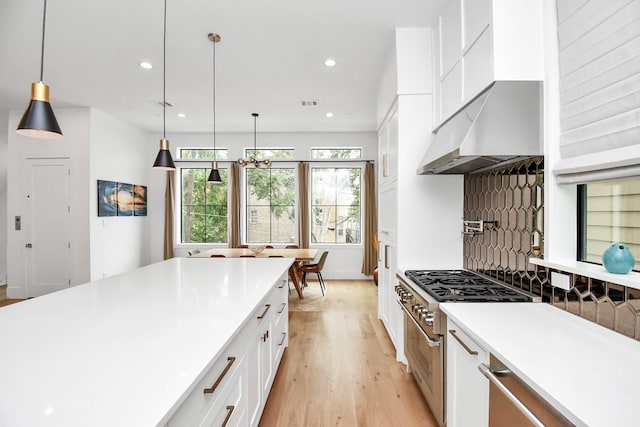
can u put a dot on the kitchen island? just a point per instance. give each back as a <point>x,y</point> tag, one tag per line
<point>585,371</point>
<point>128,350</point>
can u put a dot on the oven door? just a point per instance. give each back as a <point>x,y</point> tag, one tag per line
<point>425,353</point>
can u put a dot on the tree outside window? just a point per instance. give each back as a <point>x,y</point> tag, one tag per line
<point>271,195</point>
<point>335,205</point>
<point>204,207</point>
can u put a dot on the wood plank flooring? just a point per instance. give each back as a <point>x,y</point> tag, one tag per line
<point>340,367</point>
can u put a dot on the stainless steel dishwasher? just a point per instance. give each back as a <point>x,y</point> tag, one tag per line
<point>513,403</point>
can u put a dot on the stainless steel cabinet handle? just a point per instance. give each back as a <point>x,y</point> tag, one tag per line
<point>215,385</point>
<point>486,371</point>
<point>284,305</point>
<point>462,343</point>
<point>430,341</point>
<point>284,337</point>
<point>264,313</point>
<point>230,409</point>
<point>386,256</point>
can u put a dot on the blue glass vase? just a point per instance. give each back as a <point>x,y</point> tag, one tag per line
<point>618,259</point>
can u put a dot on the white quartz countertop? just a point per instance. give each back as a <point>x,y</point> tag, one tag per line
<point>123,351</point>
<point>588,372</point>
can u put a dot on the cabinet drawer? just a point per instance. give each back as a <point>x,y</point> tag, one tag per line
<point>223,371</point>
<point>229,409</point>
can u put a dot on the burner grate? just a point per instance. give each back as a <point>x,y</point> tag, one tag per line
<point>463,285</point>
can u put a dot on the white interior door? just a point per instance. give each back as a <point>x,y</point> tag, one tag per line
<point>47,226</point>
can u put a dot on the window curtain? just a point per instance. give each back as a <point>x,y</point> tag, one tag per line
<point>234,208</point>
<point>599,60</point>
<point>168,216</point>
<point>303,205</point>
<point>370,228</point>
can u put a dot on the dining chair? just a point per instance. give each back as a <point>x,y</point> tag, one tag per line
<point>315,268</point>
<point>218,256</point>
<point>192,252</point>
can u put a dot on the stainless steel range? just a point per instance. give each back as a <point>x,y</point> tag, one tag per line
<point>419,294</point>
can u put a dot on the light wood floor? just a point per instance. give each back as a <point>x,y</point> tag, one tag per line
<point>3,297</point>
<point>340,368</point>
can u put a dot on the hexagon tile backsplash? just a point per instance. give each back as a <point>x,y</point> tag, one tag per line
<point>510,202</point>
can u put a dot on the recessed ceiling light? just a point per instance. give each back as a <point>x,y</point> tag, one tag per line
<point>182,115</point>
<point>329,115</point>
<point>330,62</point>
<point>146,65</point>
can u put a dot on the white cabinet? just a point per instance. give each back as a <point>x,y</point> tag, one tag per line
<point>266,346</point>
<point>467,389</point>
<point>482,41</point>
<point>388,150</point>
<point>234,389</point>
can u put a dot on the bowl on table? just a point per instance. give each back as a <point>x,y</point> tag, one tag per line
<point>257,249</point>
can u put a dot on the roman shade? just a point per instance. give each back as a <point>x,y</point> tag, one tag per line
<point>599,59</point>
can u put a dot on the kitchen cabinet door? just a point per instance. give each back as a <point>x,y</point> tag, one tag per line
<point>451,92</point>
<point>467,389</point>
<point>476,17</point>
<point>450,29</point>
<point>477,64</point>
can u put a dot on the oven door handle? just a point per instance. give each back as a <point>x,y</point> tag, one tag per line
<point>430,341</point>
<point>491,376</point>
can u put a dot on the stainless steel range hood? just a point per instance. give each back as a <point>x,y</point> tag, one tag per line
<point>500,126</point>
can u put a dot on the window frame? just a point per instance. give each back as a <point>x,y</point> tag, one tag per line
<point>244,205</point>
<point>178,195</point>
<point>323,164</point>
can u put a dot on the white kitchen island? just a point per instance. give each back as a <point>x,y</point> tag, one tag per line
<point>587,372</point>
<point>128,350</point>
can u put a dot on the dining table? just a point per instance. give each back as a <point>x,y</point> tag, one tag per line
<point>300,255</point>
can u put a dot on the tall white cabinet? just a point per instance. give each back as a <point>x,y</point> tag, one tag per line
<point>418,216</point>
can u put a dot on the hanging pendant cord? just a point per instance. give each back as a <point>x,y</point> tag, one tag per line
<point>255,151</point>
<point>164,73</point>
<point>44,19</point>
<point>214,100</point>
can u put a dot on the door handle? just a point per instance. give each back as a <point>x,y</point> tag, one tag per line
<point>28,246</point>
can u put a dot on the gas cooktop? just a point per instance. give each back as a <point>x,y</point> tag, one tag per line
<point>463,285</point>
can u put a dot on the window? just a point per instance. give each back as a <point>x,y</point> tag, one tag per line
<point>270,153</point>
<point>203,154</point>
<point>271,195</point>
<point>610,212</point>
<point>336,153</point>
<point>204,207</point>
<point>335,205</point>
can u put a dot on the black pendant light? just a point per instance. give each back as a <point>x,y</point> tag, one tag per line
<point>252,159</point>
<point>39,121</point>
<point>164,161</point>
<point>214,176</point>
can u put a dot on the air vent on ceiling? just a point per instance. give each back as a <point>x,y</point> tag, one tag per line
<point>310,103</point>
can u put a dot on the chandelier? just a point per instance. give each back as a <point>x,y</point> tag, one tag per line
<point>252,159</point>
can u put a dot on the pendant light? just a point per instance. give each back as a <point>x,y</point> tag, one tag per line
<point>164,161</point>
<point>39,121</point>
<point>253,160</point>
<point>214,176</point>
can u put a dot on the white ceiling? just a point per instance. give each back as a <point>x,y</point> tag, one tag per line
<point>271,57</point>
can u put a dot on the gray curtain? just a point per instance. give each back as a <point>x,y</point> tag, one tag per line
<point>168,216</point>
<point>303,205</point>
<point>234,208</point>
<point>370,226</point>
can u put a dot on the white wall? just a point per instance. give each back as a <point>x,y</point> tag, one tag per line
<point>4,148</point>
<point>119,152</point>
<point>75,145</point>
<point>343,262</point>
